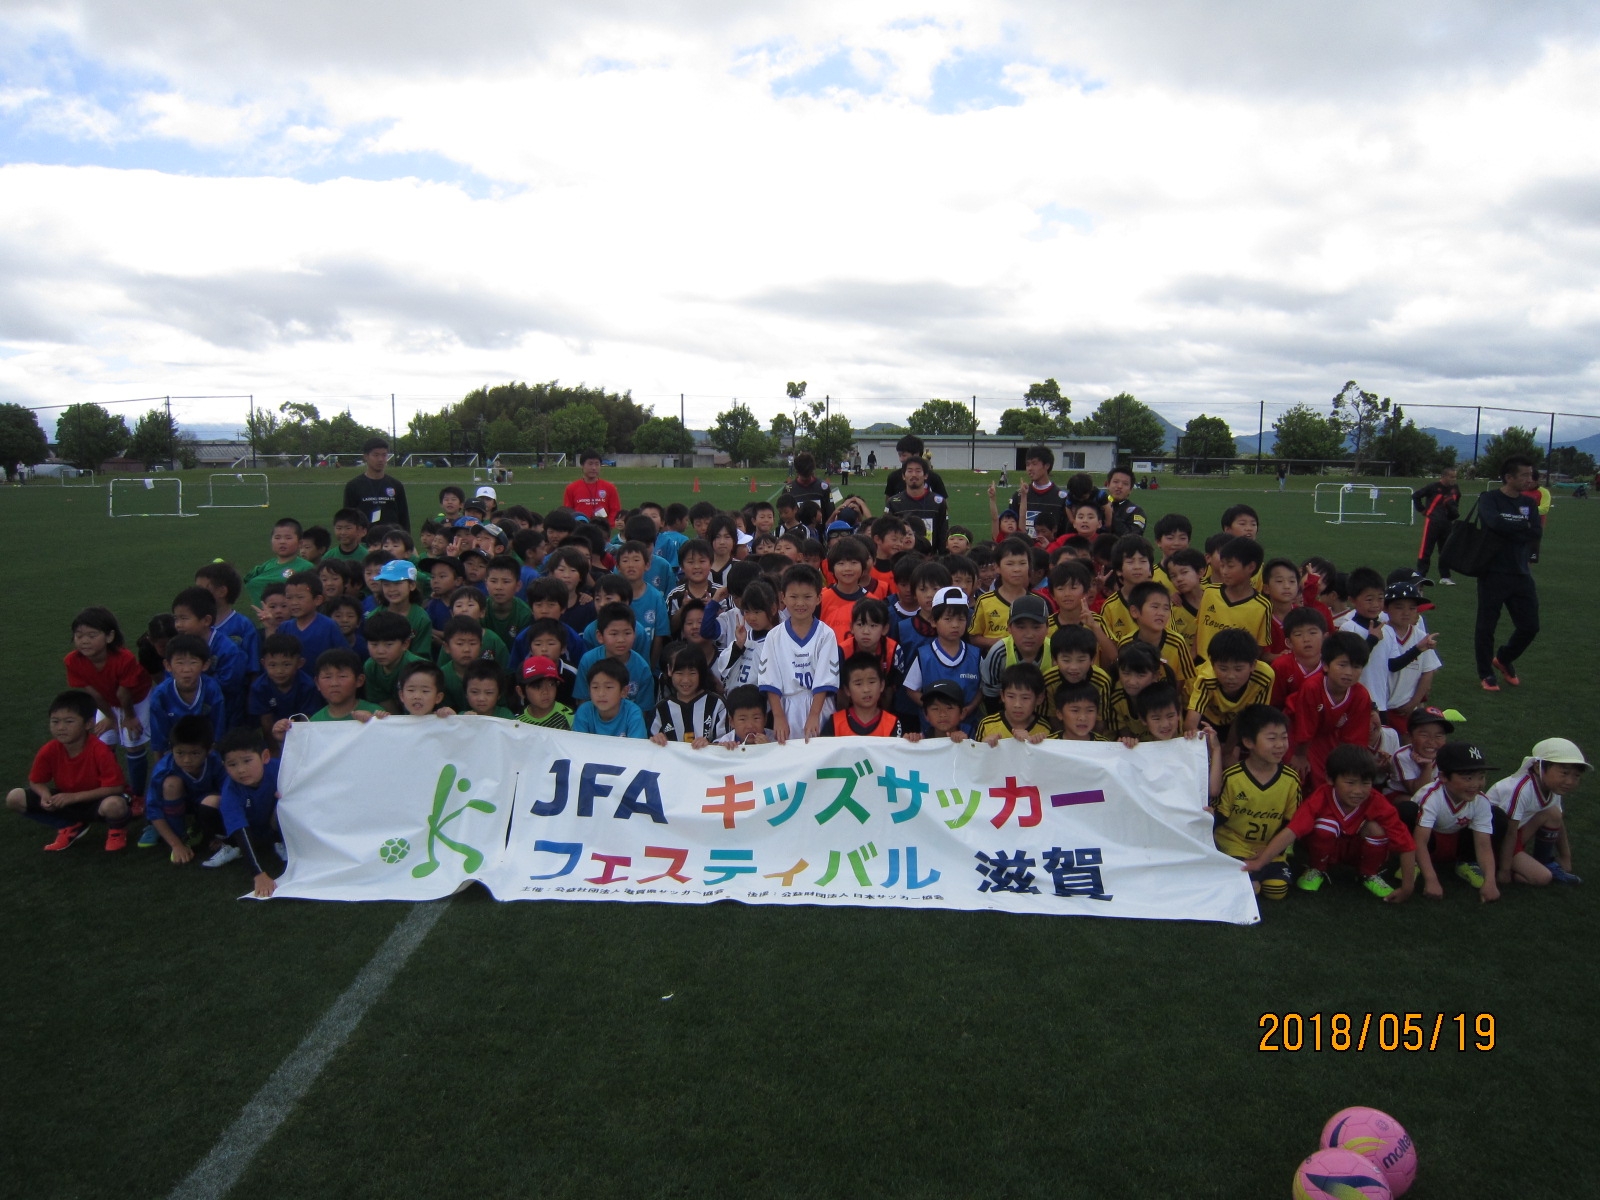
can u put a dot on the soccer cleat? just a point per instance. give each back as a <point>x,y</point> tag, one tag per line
<point>1490,684</point>
<point>67,836</point>
<point>136,806</point>
<point>1448,582</point>
<point>116,839</point>
<point>1312,880</point>
<point>1471,873</point>
<point>148,837</point>
<point>1560,874</point>
<point>1377,885</point>
<point>1511,676</point>
<point>225,854</point>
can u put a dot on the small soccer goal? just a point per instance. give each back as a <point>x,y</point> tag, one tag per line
<point>492,474</point>
<point>71,477</point>
<point>514,459</point>
<point>438,458</point>
<point>341,459</point>
<point>243,490</point>
<point>158,497</point>
<point>1361,504</point>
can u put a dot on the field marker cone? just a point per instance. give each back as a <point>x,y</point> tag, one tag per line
<point>697,483</point>
<point>752,483</point>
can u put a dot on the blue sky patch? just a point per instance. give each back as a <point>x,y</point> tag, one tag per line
<point>835,73</point>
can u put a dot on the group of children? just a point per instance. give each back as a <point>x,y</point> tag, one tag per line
<point>1310,687</point>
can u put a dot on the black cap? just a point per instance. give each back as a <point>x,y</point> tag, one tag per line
<point>1456,758</point>
<point>944,689</point>
<point>448,560</point>
<point>1428,716</point>
<point>1030,607</point>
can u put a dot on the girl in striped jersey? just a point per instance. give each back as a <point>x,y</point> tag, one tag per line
<point>690,712</point>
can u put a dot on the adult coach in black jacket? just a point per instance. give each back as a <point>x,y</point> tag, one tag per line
<point>1440,505</point>
<point>1507,582</point>
<point>373,493</point>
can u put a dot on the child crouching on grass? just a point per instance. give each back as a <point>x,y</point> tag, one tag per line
<point>246,811</point>
<point>75,779</point>
<point>181,781</point>
<point>1347,820</point>
<point>1450,806</point>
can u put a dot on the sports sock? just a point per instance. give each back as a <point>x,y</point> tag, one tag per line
<point>138,770</point>
<point>1544,845</point>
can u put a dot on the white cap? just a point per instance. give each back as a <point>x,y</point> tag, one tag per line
<point>744,538</point>
<point>950,595</point>
<point>485,491</point>
<point>1559,750</point>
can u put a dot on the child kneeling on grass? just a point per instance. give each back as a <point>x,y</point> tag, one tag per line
<point>1454,804</point>
<point>1347,820</point>
<point>75,779</point>
<point>1530,826</point>
<point>246,811</point>
<point>181,781</point>
<point>1258,797</point>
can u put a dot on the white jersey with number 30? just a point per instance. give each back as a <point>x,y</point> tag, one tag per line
<point>797,669</point>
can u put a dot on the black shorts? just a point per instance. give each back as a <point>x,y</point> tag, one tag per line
<point>1273,870</point>
<point>80,813</point>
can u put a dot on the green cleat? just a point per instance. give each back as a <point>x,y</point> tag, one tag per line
<point>1312,880</point>
<point>1471,873</point>
<point>1377,885</point>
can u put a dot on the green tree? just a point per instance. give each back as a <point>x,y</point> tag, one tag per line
<point>1048,399</point>
<point>341,435</point>
<point>427,431</point>
<point>22,442</point>
<point>943,416</point>
<point>1509,441</point>
<point>155,438</point>
<point>1207,439</point>
<point>1030,423</point>
<point>1302,432</point>
<point>1409,450</point>
<point>87,435</point>
<point>663,435</point>
<point>1364,418</point>
<point>731,433</point>
<point>830,441</point>
<point>503,435</point>
<point>1569,460</point>
<point>783,429</point>
<point>1136,427</point>
<point>576,428</point>
<point>532,408</point>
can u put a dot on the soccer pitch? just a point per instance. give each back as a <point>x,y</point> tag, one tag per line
<point>573,1049</point>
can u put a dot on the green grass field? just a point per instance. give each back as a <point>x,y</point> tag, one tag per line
<point>526,1049</point>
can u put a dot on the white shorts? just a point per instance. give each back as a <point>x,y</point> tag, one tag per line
<point>117,735</point>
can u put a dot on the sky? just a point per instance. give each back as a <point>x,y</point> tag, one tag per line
<point>1211,205</point>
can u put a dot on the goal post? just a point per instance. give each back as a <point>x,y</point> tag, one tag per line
<point>513,459</point>
<point>1363,504</point>
<point>242,490</point>
<point>341,459</point>
<point>161,496</point>
<point>79,479</point>
<point>268,461</point>
<point>438,458</point>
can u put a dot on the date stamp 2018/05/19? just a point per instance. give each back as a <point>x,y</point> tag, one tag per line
<point>1388,1031</point>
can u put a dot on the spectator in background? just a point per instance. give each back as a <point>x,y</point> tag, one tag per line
<point>1507,582</point>
<point>592,497</point>
<point>910,446</point>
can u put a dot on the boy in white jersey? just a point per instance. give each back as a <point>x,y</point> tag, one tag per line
<point>1449,807</point>
<point>800,666</point>
<point>1530,830</point>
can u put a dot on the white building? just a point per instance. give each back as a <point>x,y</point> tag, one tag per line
<point>992,452</point>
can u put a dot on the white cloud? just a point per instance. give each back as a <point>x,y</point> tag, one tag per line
<point>1253,206</point>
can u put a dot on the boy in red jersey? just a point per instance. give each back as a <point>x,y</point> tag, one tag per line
<point>1347,820</point>
<point>75,778</point>
<point>1304,631</point>
<point>1330,710</point>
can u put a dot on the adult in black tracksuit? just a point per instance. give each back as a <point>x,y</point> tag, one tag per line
<point>1507,582</point>
<point>1440,504</point>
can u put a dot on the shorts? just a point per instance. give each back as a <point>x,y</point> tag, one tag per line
<point>117,735</point>
<point>81,813</point>
<point>1273,870</point>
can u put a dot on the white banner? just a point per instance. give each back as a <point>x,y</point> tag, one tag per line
<point>414,808</point>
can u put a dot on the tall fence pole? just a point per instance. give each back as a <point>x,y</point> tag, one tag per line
<point>1550,445</point>
<point>1476,429</point>
<point>394,424</point>
<point>252,431</point>
<point>974,436</point>
<point>1261,432</point>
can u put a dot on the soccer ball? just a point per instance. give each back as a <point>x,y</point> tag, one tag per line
<point>394,850</point>
<point>1379,1137</point>
<point>1339,1175</point>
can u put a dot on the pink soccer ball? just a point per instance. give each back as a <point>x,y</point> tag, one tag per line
<point>1339,1175</point>
<point>1379,1137</point>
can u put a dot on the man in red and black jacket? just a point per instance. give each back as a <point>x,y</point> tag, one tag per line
<point>1440,505</point>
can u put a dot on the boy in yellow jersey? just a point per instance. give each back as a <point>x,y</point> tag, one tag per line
<point>1132,560</point>
<point>1228,684</point>
<point>1021,687</point>
<point>1232,601</point>
<point>1184,569</point>
<point>1138,667</point>
<point>1259,794</point>
<point>1078,710</point>
<point>1072,660</point>
<point>1150,605</point>
<point>992,614</point>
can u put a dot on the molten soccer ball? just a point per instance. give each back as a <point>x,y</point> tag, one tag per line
<point>394,850</point>
<point>1339,1175</point>
<point>1379,1137</point>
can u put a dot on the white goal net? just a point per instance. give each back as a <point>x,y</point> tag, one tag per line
<point>157,497</point>
<point>1363,504</point>
<point>243,490</point>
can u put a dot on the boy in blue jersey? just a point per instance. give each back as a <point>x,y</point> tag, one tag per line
<point>303,594</point>
<point>615,628</point>
<point>187,691</point>
<point>225,586</point>
<point>194,611</point>
<point>182,779</point>
<point>649,605</point>
<point>660,572</point>
<point>948,656</point>
<point>284,688</point>
<point>607,711</point>
<point>247,806</point>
